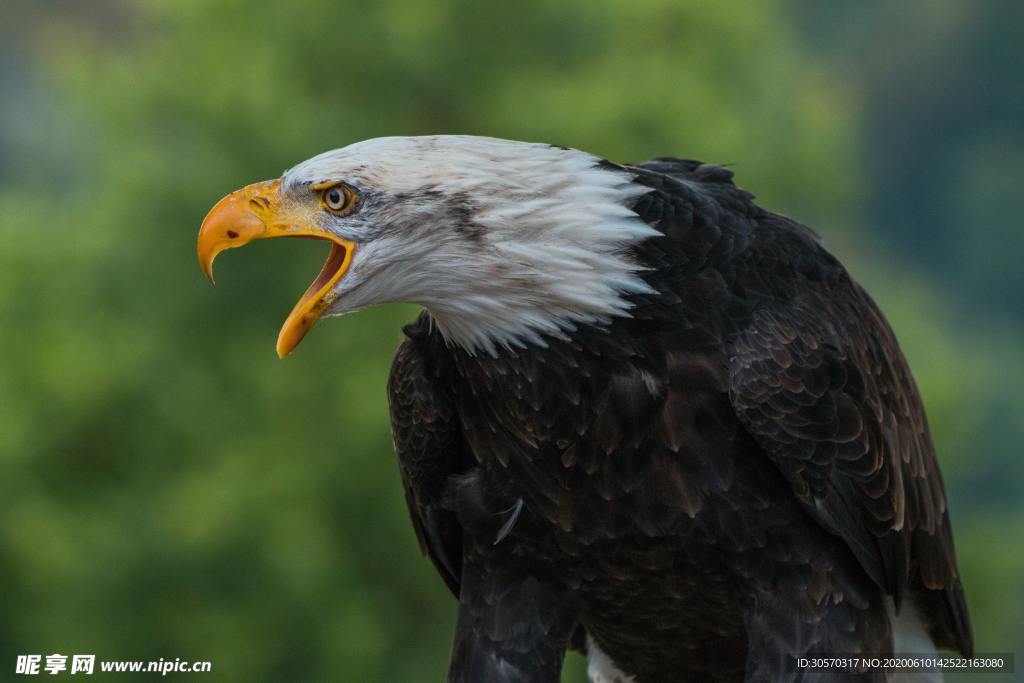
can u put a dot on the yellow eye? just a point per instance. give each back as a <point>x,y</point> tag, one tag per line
<point>337,198</point>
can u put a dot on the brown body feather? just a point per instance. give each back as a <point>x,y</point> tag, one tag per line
<point>737,475</point>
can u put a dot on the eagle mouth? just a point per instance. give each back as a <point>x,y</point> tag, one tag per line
<point>250,214</point>
<point>318,296</point>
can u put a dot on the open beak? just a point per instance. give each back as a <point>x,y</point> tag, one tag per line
<point>255,212</point>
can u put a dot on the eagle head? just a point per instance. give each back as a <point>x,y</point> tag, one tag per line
<point>504,243</point>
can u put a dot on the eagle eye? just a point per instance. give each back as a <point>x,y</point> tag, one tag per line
<point>337,198</point>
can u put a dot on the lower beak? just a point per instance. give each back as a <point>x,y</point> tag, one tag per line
<point>253,213</point>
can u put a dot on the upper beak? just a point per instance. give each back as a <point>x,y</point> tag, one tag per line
<point>254,212</point>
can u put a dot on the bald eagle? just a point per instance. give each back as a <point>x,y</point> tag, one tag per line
<point>638,415</point>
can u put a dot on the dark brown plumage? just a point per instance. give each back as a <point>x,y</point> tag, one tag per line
<point>737,475</point>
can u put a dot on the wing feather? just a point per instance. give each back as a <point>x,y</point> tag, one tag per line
<point>818,379</point>
<point>429,448</point>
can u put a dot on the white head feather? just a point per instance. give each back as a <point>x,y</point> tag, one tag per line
<point>502,242</point>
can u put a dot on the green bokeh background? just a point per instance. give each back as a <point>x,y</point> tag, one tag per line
<point>168,488</point>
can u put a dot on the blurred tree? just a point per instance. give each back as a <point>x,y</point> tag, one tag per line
<point>943,98</point>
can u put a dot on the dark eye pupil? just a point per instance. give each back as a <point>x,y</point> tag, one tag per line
<point>334,197</point>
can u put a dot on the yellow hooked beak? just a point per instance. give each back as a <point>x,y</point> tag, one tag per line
<point>256,212</point>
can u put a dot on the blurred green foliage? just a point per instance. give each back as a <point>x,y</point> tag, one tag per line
<point>170,489</point>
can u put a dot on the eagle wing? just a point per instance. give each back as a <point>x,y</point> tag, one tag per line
<point>819,381</point>
<point>430,451</point>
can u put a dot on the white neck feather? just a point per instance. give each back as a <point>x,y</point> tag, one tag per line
<point>542,242</point>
